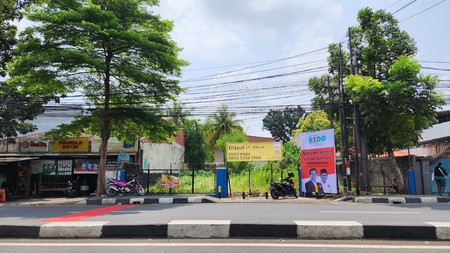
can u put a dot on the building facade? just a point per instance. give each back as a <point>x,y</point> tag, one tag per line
<point>34,165</point>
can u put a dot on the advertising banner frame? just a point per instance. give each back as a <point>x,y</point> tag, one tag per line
<point>318,162</point>
<point>254,151</point>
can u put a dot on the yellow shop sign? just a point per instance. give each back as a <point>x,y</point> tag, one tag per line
<point>71,145</point>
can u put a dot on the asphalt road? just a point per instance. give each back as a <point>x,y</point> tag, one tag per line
<point>218,246</point>
<point>258,213</point>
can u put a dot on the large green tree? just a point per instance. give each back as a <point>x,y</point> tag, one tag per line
<point>196,149</point>
<point>326,87</point>
<point>374,44</point>
<point>117,51</point>
<point>395,111</point>
<point>315,121</point>
<point>17,108</point>
<point>281,123</point>
<point>377,42</point>
<point>195,146</point>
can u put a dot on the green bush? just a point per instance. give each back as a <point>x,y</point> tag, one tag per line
<point>260,178</point>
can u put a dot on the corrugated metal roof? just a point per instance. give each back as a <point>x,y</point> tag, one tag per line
<point>16,159</point>
<point>437,131</point>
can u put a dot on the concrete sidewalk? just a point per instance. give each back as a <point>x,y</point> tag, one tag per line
<point>150,199</point>
<point>183,199</point>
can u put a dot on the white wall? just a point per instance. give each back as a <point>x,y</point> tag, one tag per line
<point>161,156</point>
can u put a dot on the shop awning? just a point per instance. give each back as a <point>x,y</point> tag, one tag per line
<point>16,159</point>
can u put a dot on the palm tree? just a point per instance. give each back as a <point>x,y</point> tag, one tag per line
<point>177,114</point>
<point>220,123</point>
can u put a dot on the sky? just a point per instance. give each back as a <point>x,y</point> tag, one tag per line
<point>257,55</point>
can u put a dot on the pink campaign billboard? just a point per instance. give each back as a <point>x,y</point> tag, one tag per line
<point>318,162</point>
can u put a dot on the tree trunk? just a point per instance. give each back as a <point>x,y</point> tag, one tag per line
<point>398,177</point>
<point>105,128</point>
<point>103,157</point>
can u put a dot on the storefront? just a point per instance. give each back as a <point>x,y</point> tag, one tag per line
<point>15,175</point>
<point>40,167</point>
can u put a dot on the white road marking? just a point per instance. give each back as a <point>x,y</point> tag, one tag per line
<point>370,212</point>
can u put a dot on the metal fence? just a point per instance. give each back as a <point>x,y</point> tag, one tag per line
<point>184,181</point>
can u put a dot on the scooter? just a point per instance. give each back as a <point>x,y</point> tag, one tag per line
<point>73,188</point>
<point>285,188</point>
<point>113,187</point>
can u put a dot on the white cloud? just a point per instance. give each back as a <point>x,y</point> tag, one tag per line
<point>208,30</point>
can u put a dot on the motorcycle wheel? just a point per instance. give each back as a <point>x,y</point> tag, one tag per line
<point>71,193</point>
<point>140,190</point>
<point>274,194</point>
<point>110,191</point>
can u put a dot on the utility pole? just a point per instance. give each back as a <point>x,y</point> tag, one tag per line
<point>356,125</point>
<point>343,118</point>
<point>360,141</point>
<point>330,99</point>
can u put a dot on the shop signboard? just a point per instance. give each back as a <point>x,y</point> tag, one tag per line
<point>34,146</point>
<point>254,151</point>
<point>71,145</point>
<point>90,166</point>
<point>114,145</point>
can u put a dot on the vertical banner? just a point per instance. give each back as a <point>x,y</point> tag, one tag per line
<point>318,162</point>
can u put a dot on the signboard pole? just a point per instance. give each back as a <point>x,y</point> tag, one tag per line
<point>252,152</point>
<point>299,179</point>
<point>148,178</point>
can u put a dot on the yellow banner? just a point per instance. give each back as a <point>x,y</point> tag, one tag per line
<point>169,181</point>
<point>71,145</point>
<point>254,151</point>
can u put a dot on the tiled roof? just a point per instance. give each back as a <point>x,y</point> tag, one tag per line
<point>259,139</point>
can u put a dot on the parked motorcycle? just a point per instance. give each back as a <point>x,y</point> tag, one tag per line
<point>113,187</point>
<point>73,188</point>
<point>285,188</point>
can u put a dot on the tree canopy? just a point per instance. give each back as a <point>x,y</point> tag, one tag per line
<point>195,145</point>
<point>17,108</point>
<point>395,111</point>
<point>377,42</point>
<point>117,52</point>
<point>385,83</point>
<point>383,52</point>
<point>315,121</point>
<point>281,123</point>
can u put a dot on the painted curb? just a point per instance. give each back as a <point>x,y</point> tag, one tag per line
<point>402,200</point>
<point>204,229</point>
<point>143,200</point>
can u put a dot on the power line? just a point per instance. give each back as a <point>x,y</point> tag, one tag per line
<point>259,65</point>
<point>404,6</point>
<point>223,75</point>
<point>392,4</point>
<point>440,69</point>
<point>443,62</point>
<point>422,11</point>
